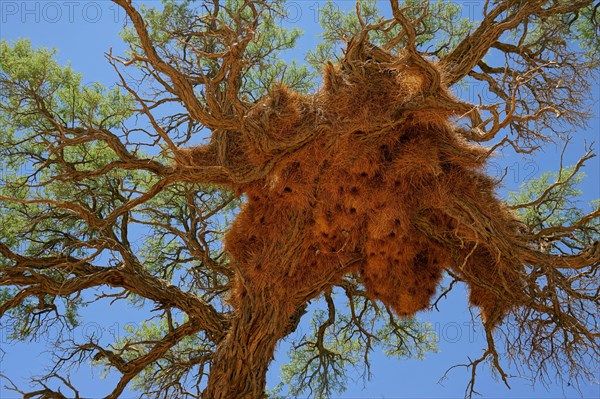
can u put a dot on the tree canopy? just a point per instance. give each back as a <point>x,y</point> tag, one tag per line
<point>357,174</point>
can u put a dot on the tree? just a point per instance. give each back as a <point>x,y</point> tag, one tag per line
<point>371,184</point>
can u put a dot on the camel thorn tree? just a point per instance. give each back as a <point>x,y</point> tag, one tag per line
<point>372,183</point>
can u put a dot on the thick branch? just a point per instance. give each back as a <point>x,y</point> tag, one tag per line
<point>134,279</point>
<point>458,63</point>
<point>211,118</point>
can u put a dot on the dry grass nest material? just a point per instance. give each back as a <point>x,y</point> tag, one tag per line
<point>365,177</point>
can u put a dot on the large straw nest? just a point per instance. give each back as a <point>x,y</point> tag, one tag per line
<point>373,185</point>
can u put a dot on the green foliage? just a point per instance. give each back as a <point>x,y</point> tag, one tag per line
<point>440,30</point>
<point>36,88</point>
<point>555,32</point>
<point>37,94</point>
<point>560,207</point>
<point>265,57</point>
<point>34,317</point>
<point>166,370</point>
<point>586,25</point>
<point>178,28</point>
<point>55,147</point>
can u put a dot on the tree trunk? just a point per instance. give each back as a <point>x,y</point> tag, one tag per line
<point>239,368</point>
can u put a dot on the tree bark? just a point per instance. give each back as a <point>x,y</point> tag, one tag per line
<point>241,361</point>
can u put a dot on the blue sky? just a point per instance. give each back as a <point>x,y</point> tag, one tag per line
<point>83,30</point>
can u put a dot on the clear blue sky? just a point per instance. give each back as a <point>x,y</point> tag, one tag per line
<point>82,31</point>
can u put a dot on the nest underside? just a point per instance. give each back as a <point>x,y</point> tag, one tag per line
<point>375,186</point>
